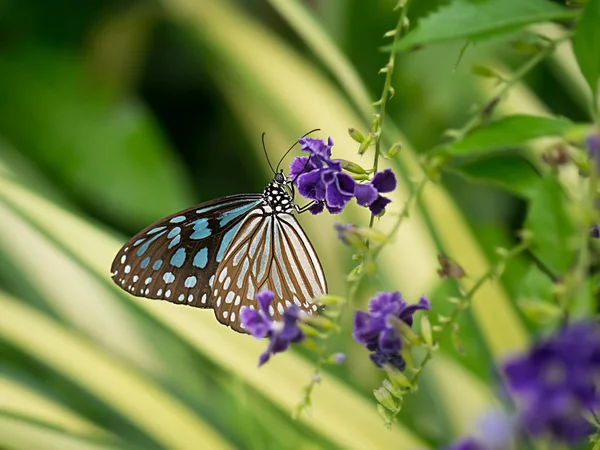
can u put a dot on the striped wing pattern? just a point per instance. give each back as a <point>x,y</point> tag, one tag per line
<point>221,253</point>
<point>268,252</point>
<point>176,258</point>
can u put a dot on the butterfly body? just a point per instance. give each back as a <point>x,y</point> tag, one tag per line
<point>219,254</point>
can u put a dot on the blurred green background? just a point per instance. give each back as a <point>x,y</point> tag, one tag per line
<point>115,114</point>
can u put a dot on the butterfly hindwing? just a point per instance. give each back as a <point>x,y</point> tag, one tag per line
<point>269,251</point>
<point>176,258</point>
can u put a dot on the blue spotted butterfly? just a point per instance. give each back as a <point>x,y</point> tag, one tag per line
<point>221,253</point>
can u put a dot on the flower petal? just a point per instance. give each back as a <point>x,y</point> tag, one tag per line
<point>317,207</point>
<point>407,313</point>
<point>299,165</point>
<point>378,205</point>
<point>254,322</point>
<point>389,341</point>
<point>311,186</point>
<point>264,299</point>
<point>365,194</point>
<point>384,181</point>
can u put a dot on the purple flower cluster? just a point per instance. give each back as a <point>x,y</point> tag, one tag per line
<point>260,324</point>
<point>556,382</point>
<point>377,329</point>
<point>321,179</point>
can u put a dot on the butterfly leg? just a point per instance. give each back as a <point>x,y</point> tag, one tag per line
<point>302,209</point>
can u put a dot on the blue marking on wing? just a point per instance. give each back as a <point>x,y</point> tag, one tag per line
<point>201,229</point>
<point>156,230</point>
<point>228,216</point>
<point>174,232</point>
<point>175,241</point>
<point>168,277</point>
<point>145,262</point>
<point>190,282</point>
<point>226,241</point>
<point>177,219</point>
<point>146,244</point>
<point>138,242</point>
<point>178,258</point>
<point>201,258</point>
<point>157,264</point>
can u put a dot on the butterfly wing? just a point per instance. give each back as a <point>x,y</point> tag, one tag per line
<point>176,258</point>
<point>268,252</point>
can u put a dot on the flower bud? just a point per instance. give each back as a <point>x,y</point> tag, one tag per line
<point>337,358</point>
<point>398,379</point>
<point>365,144</point>
<point>352,167</point>
<point>330,300</point>
<point>394,150</point>
<point>393,389</point>
<point>426,333</point>
<point>375,123</point>
<point>384,398</point>
<point>356,135</point>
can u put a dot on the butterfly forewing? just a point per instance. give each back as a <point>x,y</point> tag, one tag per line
<point>176,258</point>
<point>269,251</point>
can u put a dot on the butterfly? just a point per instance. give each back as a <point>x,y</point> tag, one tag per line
<point>221,253</point>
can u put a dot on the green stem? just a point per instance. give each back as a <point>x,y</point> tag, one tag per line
<point>387,86</point>
<point>517,76</point>
<point>468,296</point>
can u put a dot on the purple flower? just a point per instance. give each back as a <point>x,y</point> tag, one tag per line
<point>343,231</point>
<point>321,179</point>
<point>495,431</point>
<point>377,329</point>
<point>468,443</point>
<point>369,194</point>
<point>260,324</point>
<point>557,381</point>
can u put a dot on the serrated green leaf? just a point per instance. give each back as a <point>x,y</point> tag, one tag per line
<point>510,131</point>
<point>586,44</point>
<point>477,20</point>
<point>510,172</point>
<point>552,226</point>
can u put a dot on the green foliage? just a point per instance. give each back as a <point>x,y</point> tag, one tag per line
<point>476,20</point>
<point>511,172</point>
<point>551,222</point>
<point>586,45</point>
<point>508,132</point>
<point>103,125</point>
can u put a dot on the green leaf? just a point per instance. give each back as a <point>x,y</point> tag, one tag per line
<point>510,172</point>
<point>477,20</point>
<point>535,285</point>
<point>586,44</point>
<point>534,297</point>
<point>107,152</point>
<point>510,131</point>
<point>551,224</point>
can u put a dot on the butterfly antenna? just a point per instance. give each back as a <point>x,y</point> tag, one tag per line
<point>301,172</point>
<point>291,148</point>
<point>266,155</point>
